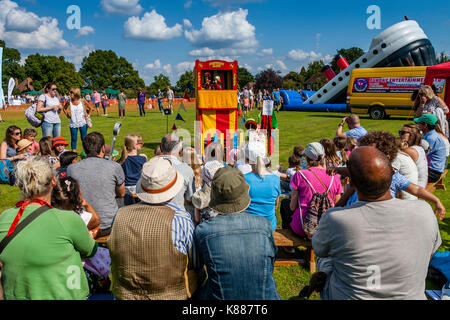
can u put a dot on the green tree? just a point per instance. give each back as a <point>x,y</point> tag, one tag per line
<point>293,80</point>
<point>182,83</point>
<point>104,69</point>
<point>244,77</point>
<point>351,55</point>
<point>268,79</point>
<point>442,58</point>
<point>43,69</point>
<point>160,82</point>
<point>10,65</point>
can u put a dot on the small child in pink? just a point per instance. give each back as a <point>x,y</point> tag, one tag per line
<point>30,134</point>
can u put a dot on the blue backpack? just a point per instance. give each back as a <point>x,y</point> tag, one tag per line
<point>6,172</point>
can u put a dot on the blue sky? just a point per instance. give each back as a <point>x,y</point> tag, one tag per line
<point>168,36</point>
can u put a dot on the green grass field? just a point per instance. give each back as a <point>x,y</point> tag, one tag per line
<point>295,128</point>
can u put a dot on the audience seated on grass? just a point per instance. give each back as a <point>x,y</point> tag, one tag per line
<point>237,247</point>
<point>36,261</point>
<point>386,143</point>
<point>264,185</point>
<point>101,180</point>
<point>172,148</point>
<point>202,197</point>
<point>151,243</point>
<point>413,138</point>
<point>132,163</point>
<point>437,156</point>
<point>379,247</point>
<point>305,183</point>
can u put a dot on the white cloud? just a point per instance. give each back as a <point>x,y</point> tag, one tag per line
<point>184,66</point>
<point>225,32</point>
<point>75,55</point>
<point>203,52</point>
<point>22,21</point>
<point>305,57</point>
<point>269,66</point>
<point>281,65</point>
<point>248,67</point>
<point>43,34</point>
<point>154,65</point>
<point>84,31</point>
<point>168,69</point>
<point>122,7</point>
<point>187,24</point>
<point>267,51</point>
<point>151,27</point>
<point>188,4</point>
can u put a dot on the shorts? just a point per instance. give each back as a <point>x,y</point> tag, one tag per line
<point>244,108</point>
<point>97,105</point>
<point>276,103</point>
<point>170,101</point>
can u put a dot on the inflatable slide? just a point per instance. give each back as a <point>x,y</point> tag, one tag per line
<point>403,44</point>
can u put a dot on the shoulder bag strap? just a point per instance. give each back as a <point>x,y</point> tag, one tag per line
<point>36,213</point>
<point>323,184</point>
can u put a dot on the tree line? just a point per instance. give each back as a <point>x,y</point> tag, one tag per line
<point>103,69</point>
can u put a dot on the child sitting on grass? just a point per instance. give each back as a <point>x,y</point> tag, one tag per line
<point>341,143</point>
<point>132,164</point>
<point>67,196</point>
<point>30,134</point>
<point>66,159</point>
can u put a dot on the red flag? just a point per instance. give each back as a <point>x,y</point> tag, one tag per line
<point>174,128</point>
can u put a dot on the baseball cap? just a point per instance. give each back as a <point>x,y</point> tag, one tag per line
<point>314,151</point>
<point>427,118</point>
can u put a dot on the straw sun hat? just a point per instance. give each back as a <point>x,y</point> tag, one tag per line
<point>22,144</point>
<point>159,182</point>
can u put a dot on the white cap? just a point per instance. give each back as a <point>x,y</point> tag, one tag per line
<point>314,151</point>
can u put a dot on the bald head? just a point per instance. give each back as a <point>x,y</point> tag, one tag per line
<point>353,121</point>
<point>370,172</point>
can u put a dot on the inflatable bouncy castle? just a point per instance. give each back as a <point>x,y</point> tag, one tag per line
<point>401,45</point>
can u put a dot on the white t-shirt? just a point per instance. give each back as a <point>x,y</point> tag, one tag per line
<point>170,94</point>
<point>408,168</point>
<point>50,116</point>
<point>86,217</point>
<point>422,166</point>
<point>77,119</point>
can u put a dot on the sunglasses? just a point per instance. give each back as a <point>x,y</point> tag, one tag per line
<point>17,133</point>
<point>403,132</point>
<point>54,89</point>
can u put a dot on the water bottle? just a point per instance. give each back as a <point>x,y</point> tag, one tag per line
<point>446,291</point>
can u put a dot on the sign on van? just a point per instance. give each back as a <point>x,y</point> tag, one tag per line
<point>393,84</point>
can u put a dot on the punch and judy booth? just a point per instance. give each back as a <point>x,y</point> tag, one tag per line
<point>216,102</point>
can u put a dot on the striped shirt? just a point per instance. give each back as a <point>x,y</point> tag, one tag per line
<point>183,235</point>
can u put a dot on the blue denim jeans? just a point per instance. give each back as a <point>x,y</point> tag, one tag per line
<point>51,129</point>
<point>141,109</point>
<point>239,253</point>
<point>74,136</point>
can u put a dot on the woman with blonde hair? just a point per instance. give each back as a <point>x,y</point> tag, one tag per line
<point>132,164</point>
<point>264,185</point>
<point>41,262</point>
<point>78,111</point>
<point>428,102</point>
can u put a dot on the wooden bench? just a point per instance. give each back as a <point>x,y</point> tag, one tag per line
<point>286,238</point>
<point>102,240</point>
<point>438,185</point>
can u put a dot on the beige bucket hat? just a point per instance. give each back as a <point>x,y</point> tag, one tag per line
<point>159,182</point>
